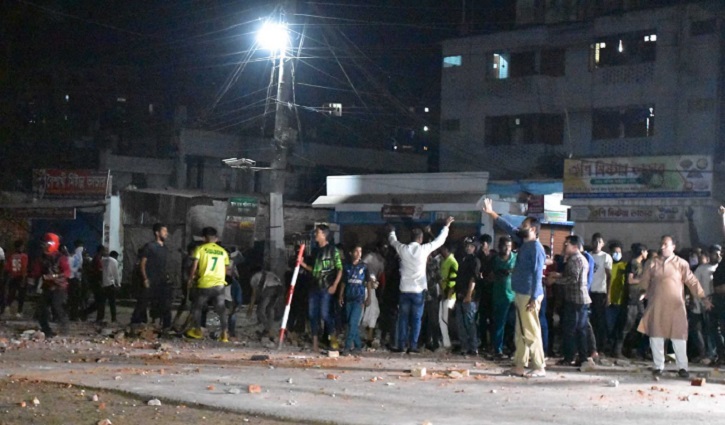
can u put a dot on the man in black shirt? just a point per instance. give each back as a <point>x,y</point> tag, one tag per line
<point>157,291</point>
<point>466,301</point>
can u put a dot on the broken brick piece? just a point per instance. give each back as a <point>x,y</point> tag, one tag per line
<point>698,382</point>
<point>255,389</point>
<point>418,372</point>
<point>332,377</point>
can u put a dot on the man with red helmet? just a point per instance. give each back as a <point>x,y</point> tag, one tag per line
<point>54,271</point>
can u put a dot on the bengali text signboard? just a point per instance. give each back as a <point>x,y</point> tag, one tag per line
<point>241,220</point>
<point>628,213</point>
<point>57,183</point>
<point>687,176</point>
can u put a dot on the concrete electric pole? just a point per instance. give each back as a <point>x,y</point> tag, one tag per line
<point>285,137</point>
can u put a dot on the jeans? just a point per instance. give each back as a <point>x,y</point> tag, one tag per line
<point>107,293</point>
<point>319,310</point>
<point>467,331</point>
<point>410,315</point>
<point>203,296</point>
<point>353,315</point>
<point>574,323</point>
<point>501,310</point>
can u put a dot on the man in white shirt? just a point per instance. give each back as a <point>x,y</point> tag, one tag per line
<point>109,285</point>
<point>413,262</point>
<point>599,292</point>
<point>701,320</point>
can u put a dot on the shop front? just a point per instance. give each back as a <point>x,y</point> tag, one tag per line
<point>639,199</point>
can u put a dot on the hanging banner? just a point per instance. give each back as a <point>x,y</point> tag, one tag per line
<point>687,176</point>
<point>76,184</point>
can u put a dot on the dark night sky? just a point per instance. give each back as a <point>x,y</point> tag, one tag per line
<point>185,50</point>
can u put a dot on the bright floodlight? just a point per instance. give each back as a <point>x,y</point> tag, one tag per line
<point>273,37</point>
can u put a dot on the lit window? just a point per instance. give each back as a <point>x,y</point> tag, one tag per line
<point>452,61</point>
<point>121,100</point>
<point>425,128</point>
<point>427,110</point>
<point>67,98</point>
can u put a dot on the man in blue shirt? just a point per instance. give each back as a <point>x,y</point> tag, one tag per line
<point>355,294</point>
<point>526,282</point>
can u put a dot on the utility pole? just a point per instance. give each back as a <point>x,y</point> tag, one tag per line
<point>284,138</point>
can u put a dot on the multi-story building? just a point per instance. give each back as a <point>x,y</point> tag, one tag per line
<point>630,80</point>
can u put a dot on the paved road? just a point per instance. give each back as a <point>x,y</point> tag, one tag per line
<point>376,390</point>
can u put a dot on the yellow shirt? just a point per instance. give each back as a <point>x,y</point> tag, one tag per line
<point>213,262</point>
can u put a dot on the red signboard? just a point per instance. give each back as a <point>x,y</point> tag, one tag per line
<point>57,183</point>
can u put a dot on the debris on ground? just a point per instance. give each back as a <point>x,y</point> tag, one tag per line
<point>234,391</point>
<point>94,397</point>
<point>23,404</point>
<point>210,388</point>
<point>418,372</point>
<point>36,402</point>
<point>260,357</point>
<point>332,377</point>
<point>613,383</point>
<point>154,402</point>
<point>254,389</point>
<point>333,354</point>
<point>105,422</point>
<point>698,382</point>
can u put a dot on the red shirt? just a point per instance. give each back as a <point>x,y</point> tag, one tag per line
<point>17,265</point>
<point>53,264</point>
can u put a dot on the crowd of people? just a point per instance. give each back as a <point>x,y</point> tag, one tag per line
<point>520,299</point>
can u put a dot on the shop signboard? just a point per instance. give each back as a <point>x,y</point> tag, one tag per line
<point>686,176</point>
<point>51,183</point>
<point>628,213</point>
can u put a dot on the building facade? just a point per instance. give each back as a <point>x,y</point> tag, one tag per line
<point>644,82</point>
<point>639,88</point>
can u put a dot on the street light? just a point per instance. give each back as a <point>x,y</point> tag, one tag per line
<point>273,36</point>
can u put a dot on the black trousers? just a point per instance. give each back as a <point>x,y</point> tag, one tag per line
<point>161,298</point>
<point>77,299</point>
<point>54,300</point>
<point>599,319</point>
<point>431,335</point>
<point>106,294</point>
<point>14,290</point>
<point>140,311</point>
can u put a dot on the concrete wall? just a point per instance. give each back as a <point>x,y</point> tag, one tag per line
<point>683,84</point>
